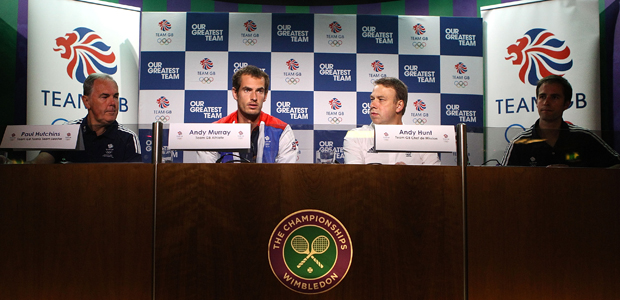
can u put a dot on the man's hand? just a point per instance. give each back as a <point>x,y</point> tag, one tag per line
<point>43,158</point>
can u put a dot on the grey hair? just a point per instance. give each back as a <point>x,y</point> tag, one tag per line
<point>90,81</point>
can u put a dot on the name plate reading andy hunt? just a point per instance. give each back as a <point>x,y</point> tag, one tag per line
<point>213,136</point>
<point>43,137</point>
<point>415,138</point>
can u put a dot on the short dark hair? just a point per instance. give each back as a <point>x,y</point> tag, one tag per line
<point>253,71</point>
<point>90,81</point>
<point>399,86</point>
<point>566,87</point>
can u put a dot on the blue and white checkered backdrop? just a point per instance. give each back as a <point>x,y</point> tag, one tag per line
<point>322,69</point>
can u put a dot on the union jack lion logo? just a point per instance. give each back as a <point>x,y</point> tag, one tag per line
<point>250,25</point>
<point>540,54</point>
<point>377,66</point>
<point>419,29</point>
<point>292,64</point>
<point>335,104</point>
<point>335,27</point>
<point>87,54</point>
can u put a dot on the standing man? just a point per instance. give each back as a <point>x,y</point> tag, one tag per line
<point>104,139</point>
<point>387,106</point>
<point>272,140</point>
<point>553,142</point>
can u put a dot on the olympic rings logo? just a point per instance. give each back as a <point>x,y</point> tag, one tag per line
<point>164,41</point>
<point>334,43</point>
<point>162,118</point>
<point>460,84</point>
<point>60,121</point>
<point>334,120</point>
<point>250,42</point>
<point>291,80</point>
<point>419,121</point>
<point>419,45</point>
<point>510,127</point>
<point>206,80</point>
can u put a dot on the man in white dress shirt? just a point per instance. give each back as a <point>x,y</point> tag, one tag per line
<point>387,106</point>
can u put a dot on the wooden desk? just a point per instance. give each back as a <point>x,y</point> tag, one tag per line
<point>537,233</point>
<point>214,224</point>
<point>85,231</point>
<point>80,231</point>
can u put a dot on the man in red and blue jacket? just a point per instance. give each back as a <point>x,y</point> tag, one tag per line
<point>272,140</point>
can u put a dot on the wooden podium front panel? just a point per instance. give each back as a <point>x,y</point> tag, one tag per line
<point>537,233</point>
<point>214,222</point>
<point>79,231</point>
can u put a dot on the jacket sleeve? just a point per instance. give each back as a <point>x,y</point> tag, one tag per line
<point>353,150</point>
<point>208,157</point>
<point>508,160</point>
<point>430,159</point>
<point>287,150</point>
<point>603,156</point>
<point>133,150</point>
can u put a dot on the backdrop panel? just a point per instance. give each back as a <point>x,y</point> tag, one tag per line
<point>322,69</point>
<point>528,40</point>
<point>84,38</point>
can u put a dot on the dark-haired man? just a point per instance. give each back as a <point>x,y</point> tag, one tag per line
<point>105,140</point>
<point>553,142</point>
<point>272,140</point>
<point>388,101</point>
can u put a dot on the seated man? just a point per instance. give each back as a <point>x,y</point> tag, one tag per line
<point>553,142</point>
<point>272,140</point>
<point>104,139</point>
<point>387,106</point>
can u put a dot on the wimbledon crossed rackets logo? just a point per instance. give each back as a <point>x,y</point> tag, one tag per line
<point>319,246</point>
<point>310,251</point>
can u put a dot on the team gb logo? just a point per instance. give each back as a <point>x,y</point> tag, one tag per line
<point>540,54</point>
<point>87,53</point>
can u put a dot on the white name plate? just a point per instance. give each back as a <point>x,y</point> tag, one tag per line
<point>415,138</point>
<point>212,136</point>
<point>42,137</point>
